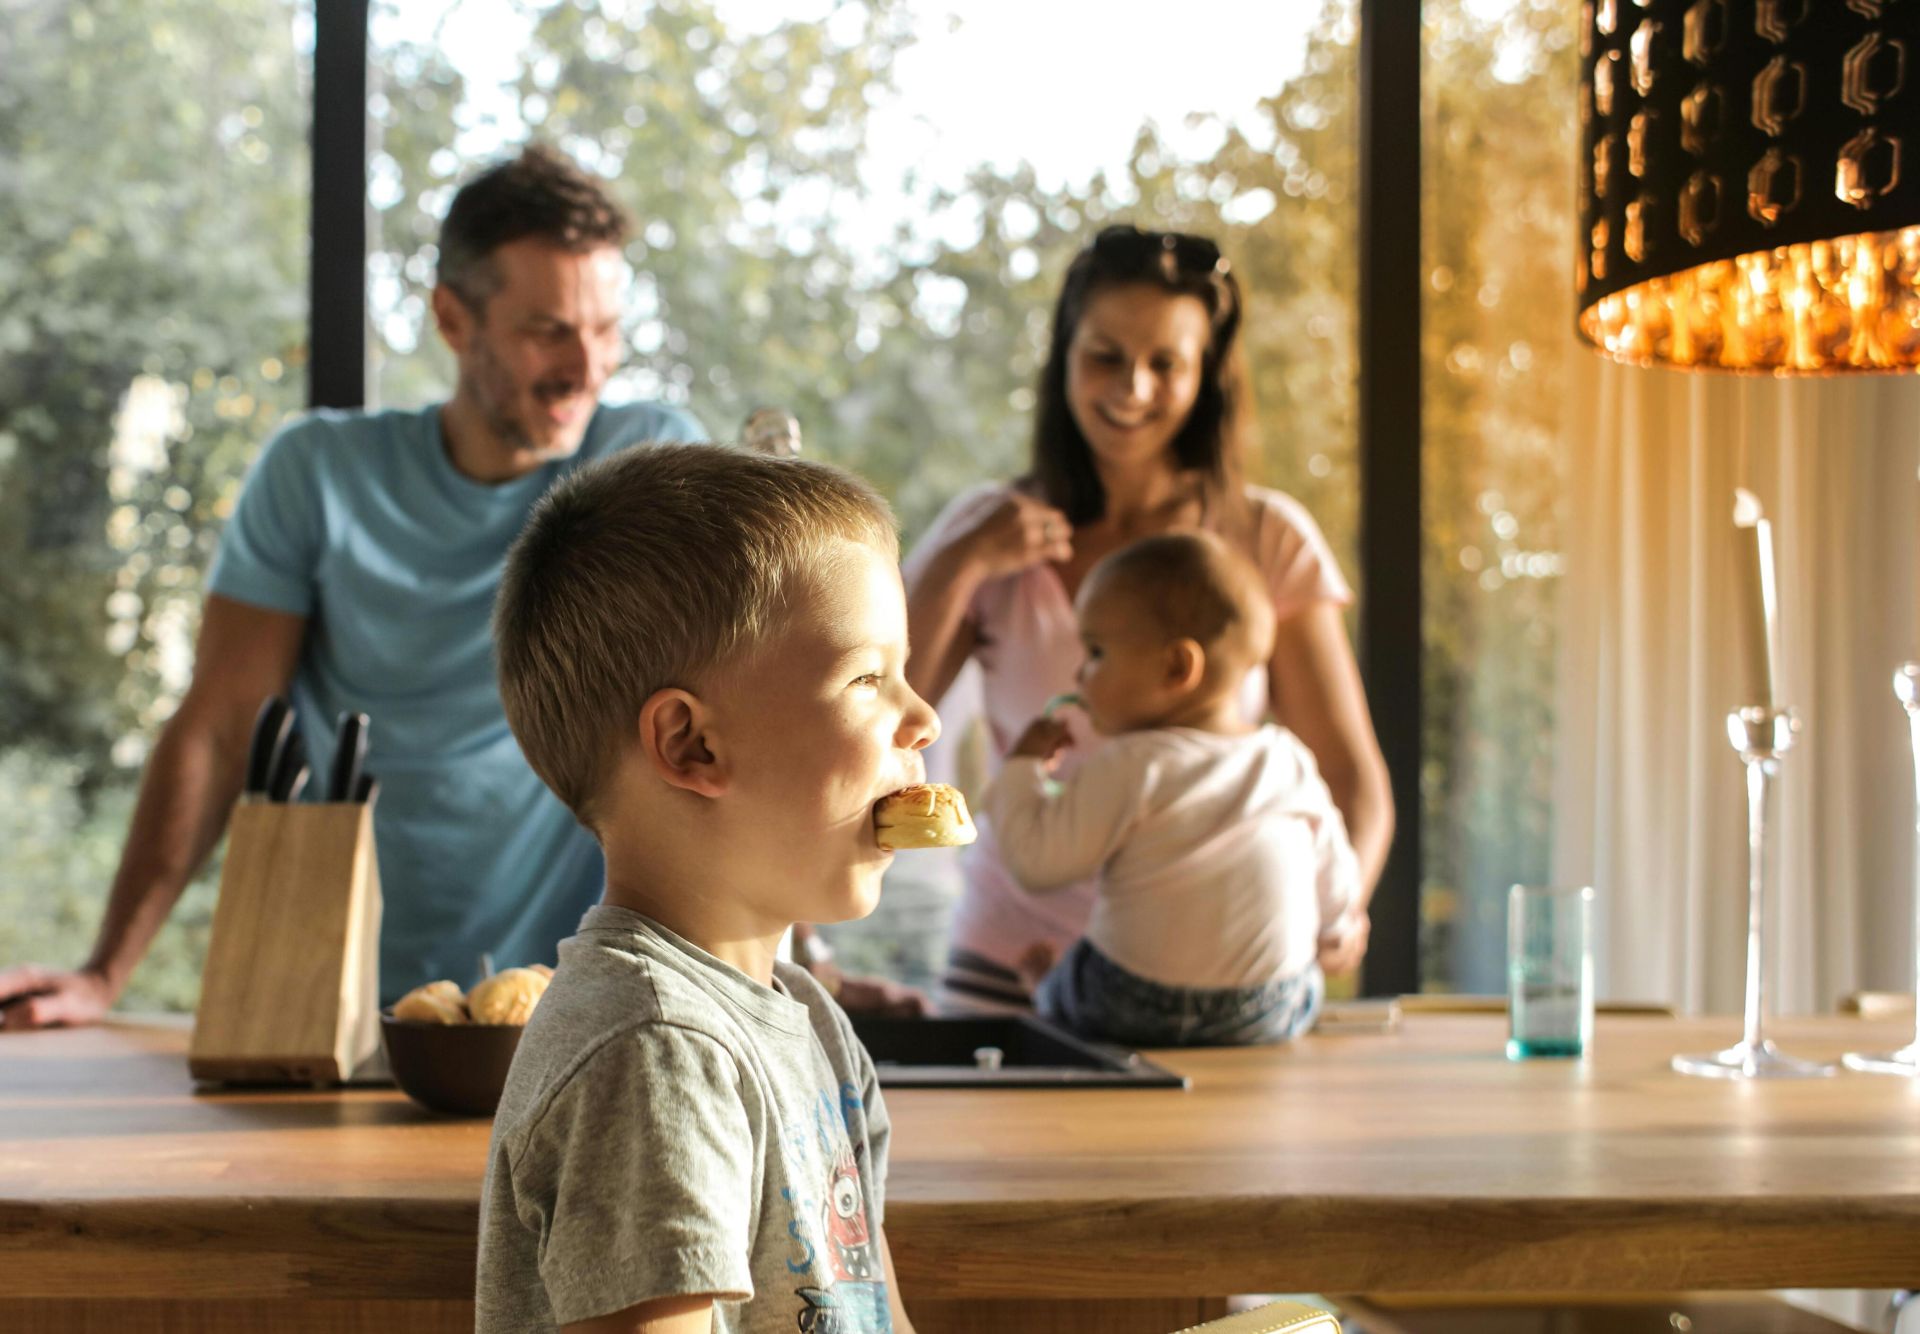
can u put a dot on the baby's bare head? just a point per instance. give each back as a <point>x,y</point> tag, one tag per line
<point>1191,585</point>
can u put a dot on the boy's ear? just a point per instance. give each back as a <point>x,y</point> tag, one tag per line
<point>673,732</point>
<point>1186,664</point>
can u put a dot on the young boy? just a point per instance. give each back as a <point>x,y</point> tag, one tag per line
<point>1222,861</point>
<point>701,652</point>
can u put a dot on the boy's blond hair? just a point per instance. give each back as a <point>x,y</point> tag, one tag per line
<point>1192,585</point>
<point>649,569</point>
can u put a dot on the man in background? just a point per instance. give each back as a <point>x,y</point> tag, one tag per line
<point>358,574</point>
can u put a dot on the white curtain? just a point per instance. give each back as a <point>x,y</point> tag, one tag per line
<point>1649,800</point>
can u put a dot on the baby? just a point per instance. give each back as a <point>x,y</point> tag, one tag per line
<point>1222,862</point>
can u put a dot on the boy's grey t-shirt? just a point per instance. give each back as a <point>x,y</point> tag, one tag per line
<point>672,1127</point>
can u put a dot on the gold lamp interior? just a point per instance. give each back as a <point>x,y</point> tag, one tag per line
<point>1847,304</point>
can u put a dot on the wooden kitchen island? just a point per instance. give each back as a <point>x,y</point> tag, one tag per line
<point>1415,1161</point>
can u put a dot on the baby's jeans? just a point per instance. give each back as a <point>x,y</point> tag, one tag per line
<point>1095,997</point>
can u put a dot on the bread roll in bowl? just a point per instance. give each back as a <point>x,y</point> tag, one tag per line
<point>508,997</point>
<point>435,1003</point>
<point>926,815</point>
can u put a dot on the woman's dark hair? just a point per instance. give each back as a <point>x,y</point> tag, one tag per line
<point>539,193</point>
<point>1213,440</point>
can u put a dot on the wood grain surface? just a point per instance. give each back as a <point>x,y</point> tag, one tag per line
<point>1415,1161</point>
<point>289,993</point>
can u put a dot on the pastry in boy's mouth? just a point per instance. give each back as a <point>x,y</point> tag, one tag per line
<point>925,815</point>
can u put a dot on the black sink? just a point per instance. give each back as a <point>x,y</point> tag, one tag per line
<point>960,1052</point>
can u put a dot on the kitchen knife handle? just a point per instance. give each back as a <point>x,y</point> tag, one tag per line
<point>349,755</point>
<point>287,766</point>
<point>271,727</point>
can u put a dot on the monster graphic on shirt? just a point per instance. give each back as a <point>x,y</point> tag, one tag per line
<point>844,1223</point>
<point>837,1247</point>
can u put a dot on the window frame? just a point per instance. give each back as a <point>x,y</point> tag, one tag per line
<point>337,276</point>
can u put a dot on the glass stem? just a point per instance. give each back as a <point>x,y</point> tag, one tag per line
<point>1757,785</point>
<point>1913,733</point>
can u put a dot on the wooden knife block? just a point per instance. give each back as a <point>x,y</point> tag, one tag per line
<point>290,994</point>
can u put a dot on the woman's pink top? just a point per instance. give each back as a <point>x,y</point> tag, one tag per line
<point>1028,651</point>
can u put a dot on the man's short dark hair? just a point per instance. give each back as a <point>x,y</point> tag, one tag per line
<point>539,193</point>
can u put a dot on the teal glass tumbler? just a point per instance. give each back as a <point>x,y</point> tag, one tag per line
<point>1549,971</point>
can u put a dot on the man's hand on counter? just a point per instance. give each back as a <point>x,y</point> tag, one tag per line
<point>871,995</point>
<point>857,993</point>
<point>35,997</point>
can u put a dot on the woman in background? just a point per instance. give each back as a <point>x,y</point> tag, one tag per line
<point>1143,427</point>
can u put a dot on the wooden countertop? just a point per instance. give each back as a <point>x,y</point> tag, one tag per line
<point>1416,1161</point>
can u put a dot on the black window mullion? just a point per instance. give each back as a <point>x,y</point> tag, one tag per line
<point>337,286</point>
<point>1390,532</point>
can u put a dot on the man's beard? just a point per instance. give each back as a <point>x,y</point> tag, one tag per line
<point>496,408</point>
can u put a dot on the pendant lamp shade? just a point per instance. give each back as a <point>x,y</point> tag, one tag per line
<point>1749,183</point>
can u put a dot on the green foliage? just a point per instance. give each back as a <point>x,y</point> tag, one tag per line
<point>61,851</point>
<point>150,226</point>
<point>1497,213</point>
<point>738,154</point>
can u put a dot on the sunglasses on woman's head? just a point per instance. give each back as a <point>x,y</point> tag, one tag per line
<point>1129,246</point>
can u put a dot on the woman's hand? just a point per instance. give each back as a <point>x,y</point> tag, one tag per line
<point>1043,740</point>
<point>1016,534</point>
<point>862,994</point>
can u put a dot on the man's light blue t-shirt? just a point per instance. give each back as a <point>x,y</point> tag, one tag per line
<point>361,523</point>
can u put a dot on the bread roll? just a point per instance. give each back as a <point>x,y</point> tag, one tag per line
<point>926,815</point>
<point>435,1003</point>
<point>508,997</point>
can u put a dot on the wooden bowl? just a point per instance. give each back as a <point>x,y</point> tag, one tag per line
<point>458,1069</point>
